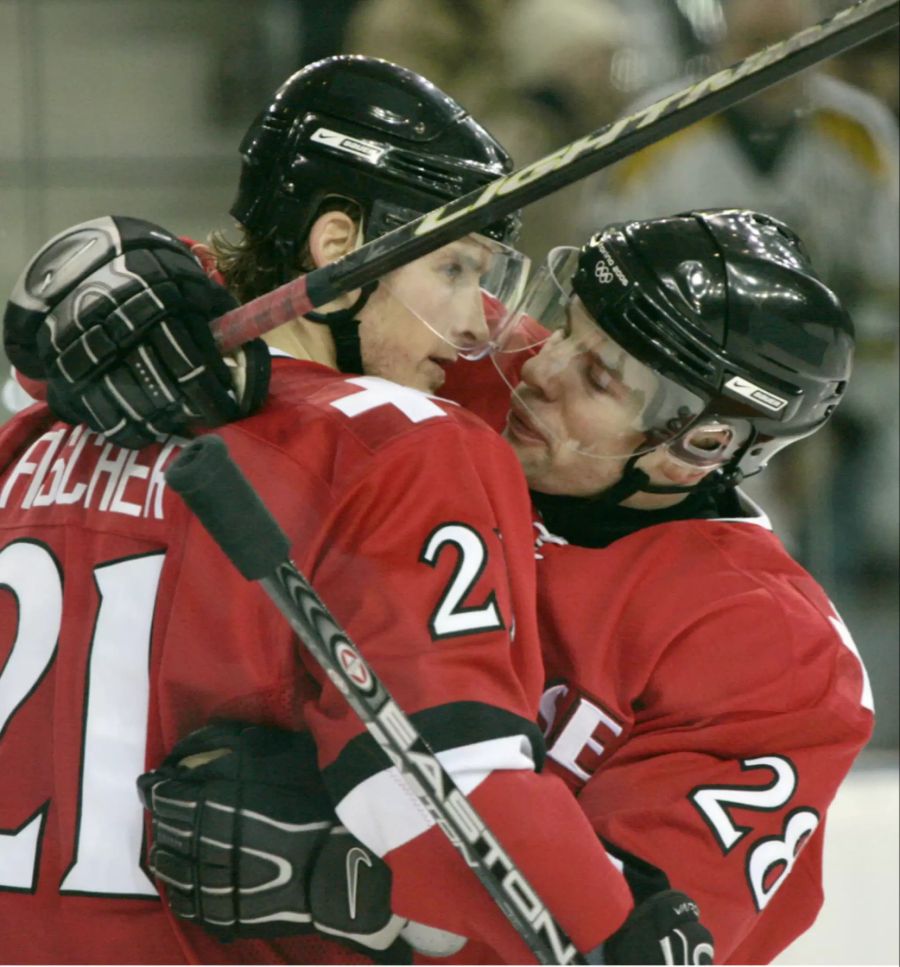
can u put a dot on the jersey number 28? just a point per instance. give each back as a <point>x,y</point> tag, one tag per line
<point>770,859</point>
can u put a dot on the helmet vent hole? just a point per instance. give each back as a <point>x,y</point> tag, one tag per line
<point>779,363</point>
<point>437,177</point>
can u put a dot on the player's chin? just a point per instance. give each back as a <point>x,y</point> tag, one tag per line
<point>431,376</point>
<point>536,466</point>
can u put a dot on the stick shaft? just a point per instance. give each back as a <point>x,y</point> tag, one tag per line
<point>405,747</point>
<point>587,155</point>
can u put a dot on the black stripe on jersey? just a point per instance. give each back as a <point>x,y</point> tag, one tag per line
<point>643,878</point>
<point>443,727</point>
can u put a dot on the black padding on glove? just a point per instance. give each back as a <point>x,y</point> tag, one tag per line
<point>114,313</point>
<point>663,929</point>
<point>248,844</point>
<point>234,839</point>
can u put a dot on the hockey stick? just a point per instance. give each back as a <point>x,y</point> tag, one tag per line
<point>587,155</point>
<point>218,493</point>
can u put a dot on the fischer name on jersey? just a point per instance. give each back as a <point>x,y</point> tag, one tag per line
<point>120,481</point>
<point>124,628</point>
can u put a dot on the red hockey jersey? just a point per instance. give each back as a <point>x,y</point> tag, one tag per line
<point>704,702</point>
<point>123,627</point>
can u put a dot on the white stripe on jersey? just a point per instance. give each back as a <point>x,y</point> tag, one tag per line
<point>382,811</point>
<point>754,513</point>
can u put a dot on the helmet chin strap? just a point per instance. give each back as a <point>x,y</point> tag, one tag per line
<point>343,324</point>
<point>344,328</point>
<point>600,519</point>
<point>634,481</point>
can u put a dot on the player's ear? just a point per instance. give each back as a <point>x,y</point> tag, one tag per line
<point>681,474</point>
<point>332,235</point>
<point>666,470</point>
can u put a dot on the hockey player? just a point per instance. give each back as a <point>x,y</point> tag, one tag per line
<point>349,148</point>
<point>703,700</point>
<point>106,576</point>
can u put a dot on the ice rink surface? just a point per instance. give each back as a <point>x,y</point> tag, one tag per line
<point>860,922</point>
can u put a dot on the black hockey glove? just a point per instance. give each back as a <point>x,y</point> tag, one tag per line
<point>114,314</point>
<point>664,929</point>
<point>247,842</point>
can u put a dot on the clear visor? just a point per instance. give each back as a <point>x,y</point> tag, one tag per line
<point>575,386</point>
<point>463,291</point>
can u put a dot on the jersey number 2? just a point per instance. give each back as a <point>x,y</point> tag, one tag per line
<point>451,617</point>
<point>108,839</point>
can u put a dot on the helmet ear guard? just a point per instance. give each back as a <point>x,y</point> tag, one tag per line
<point>708,444</point>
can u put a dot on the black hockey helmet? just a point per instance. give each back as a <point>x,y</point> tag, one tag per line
<point>369,131</point>
<point>726,305</point>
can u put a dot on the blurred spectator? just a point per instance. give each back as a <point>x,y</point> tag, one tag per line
<point>875,67</point>
<point>269,40</point>
<point>561,57</point>
<point>538,72</point>
<point>823,155</point>
<point>323,26</point>
<point>455,43</point>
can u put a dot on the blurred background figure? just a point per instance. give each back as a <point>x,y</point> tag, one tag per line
<point>821,153</point>
<point>539,74</point>
<point>138,107</point>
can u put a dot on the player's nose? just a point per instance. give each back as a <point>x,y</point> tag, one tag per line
<point>549,370</point>
<point>542,375</point>
<point>471,330</point>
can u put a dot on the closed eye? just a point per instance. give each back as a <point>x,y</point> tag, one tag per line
<point>605,380</point>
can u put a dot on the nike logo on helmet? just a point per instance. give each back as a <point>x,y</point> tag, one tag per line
<point>354,857</point>
<point>757,394</point>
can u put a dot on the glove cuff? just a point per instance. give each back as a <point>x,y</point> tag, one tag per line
<point>257,371</point>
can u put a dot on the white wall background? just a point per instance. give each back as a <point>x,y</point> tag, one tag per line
<point>859,921</point>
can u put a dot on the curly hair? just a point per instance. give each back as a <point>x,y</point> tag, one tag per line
<point>254,264</point>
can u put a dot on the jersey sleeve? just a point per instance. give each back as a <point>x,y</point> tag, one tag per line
<point>35,388</point>
<point>723,787</point>
<point>428,564</point>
